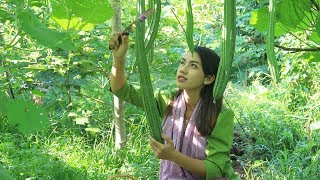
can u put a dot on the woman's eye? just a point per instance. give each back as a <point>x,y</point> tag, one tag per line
<point>182,62</point>
<point>193,66</point>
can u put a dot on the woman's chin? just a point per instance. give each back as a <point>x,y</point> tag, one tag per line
<point>181,86</point>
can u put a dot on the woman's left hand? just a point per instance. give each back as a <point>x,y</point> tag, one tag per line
<point>163,151</point>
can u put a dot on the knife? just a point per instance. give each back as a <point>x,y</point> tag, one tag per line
<point>129,28</point>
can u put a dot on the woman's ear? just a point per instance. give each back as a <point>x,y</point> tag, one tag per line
<point>209,79</point>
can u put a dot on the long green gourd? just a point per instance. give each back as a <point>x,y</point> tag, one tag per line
<point>189,31</point>
<point>154,26</point>
<point>272,61</point>
<point>149,102</point>
<point>228,45</point>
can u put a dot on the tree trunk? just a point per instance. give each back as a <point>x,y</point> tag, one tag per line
<point>120,126</point>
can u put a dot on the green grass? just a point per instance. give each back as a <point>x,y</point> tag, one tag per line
<point>284,147</point>
<point>70,156</point>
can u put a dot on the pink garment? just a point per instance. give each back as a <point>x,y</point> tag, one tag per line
<point>190,142</point>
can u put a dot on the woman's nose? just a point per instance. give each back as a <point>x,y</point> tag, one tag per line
<point>183,69</point>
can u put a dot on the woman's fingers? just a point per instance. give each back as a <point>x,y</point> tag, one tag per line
<point>163,151</point>
<point>114,42</point>
<point>117,39</point>
<point>167,139</point>
<point>119,44</point>
<point>155,143</point>
<point>125,39</point>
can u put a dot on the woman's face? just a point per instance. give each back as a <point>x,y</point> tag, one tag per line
<point>190,75</point>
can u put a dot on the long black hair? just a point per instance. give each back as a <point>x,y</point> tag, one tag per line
<point>208,111</point>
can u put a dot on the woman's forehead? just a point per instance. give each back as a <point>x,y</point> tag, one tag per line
<point>195,57</point>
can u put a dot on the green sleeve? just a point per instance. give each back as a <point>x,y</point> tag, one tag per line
<point>132,94</point>
<point>217,162</point>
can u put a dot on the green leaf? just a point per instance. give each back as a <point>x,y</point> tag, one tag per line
<point>259,19</point>
<point>4,174</point>
<point>36,3</point>
<point>279,29</point>
<point>94,130</point>
<point>311,56</point>
<point>315,37</point>
<point>4,15</point>
<point>37,92</point>
<point>291,13</point>
<point>80,14</point>
<point>3,103</point>
<point>287,21</point>
<point>27,116</point>
<point>32,25</point>
<point>2,70</point>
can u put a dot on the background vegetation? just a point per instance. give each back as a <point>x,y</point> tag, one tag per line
<point>277,125</point>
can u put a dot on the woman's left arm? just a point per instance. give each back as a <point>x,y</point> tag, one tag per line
<point>168,152</point>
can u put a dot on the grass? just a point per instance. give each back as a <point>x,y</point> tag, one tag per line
<point>284,147</point>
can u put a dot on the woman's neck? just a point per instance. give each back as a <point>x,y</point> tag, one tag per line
<point>191,98</point>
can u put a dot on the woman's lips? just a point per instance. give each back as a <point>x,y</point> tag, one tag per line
<point>181,78</point>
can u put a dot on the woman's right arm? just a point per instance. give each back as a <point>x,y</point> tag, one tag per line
<point>118,85</point>
<point>118,77</point>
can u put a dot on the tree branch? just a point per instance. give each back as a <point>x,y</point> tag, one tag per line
<point>297,49</point>
<point>261,41</point>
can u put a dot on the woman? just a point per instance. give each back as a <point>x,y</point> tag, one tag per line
<point>198,132</point>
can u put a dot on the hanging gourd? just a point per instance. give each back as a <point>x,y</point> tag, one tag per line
<point>272,61</point>
<point>149,102</point>
<point>228,45</point>
<point>189,31</point>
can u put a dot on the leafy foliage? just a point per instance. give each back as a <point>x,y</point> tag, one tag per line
<point>80,15</point>
<point>28,117</point>
<point>31,24</point>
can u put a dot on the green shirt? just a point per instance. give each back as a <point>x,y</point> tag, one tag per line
<point>217,162</point>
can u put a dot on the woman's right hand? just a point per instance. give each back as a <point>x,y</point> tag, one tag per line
<point>119,44</point>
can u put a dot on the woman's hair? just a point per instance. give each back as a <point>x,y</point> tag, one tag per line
<point>208,110</point>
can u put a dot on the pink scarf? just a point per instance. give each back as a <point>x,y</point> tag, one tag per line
<point>188,141</point>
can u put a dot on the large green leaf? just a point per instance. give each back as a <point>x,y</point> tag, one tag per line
<point>4,174</point>
<point>315,37</point>
<point>80,14</point>
<point>291,16</point>
<point>3,103</point>
<point>54,39</point>
<point>27,116</point>
<point>259,20</point>
<point>292,12</point>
